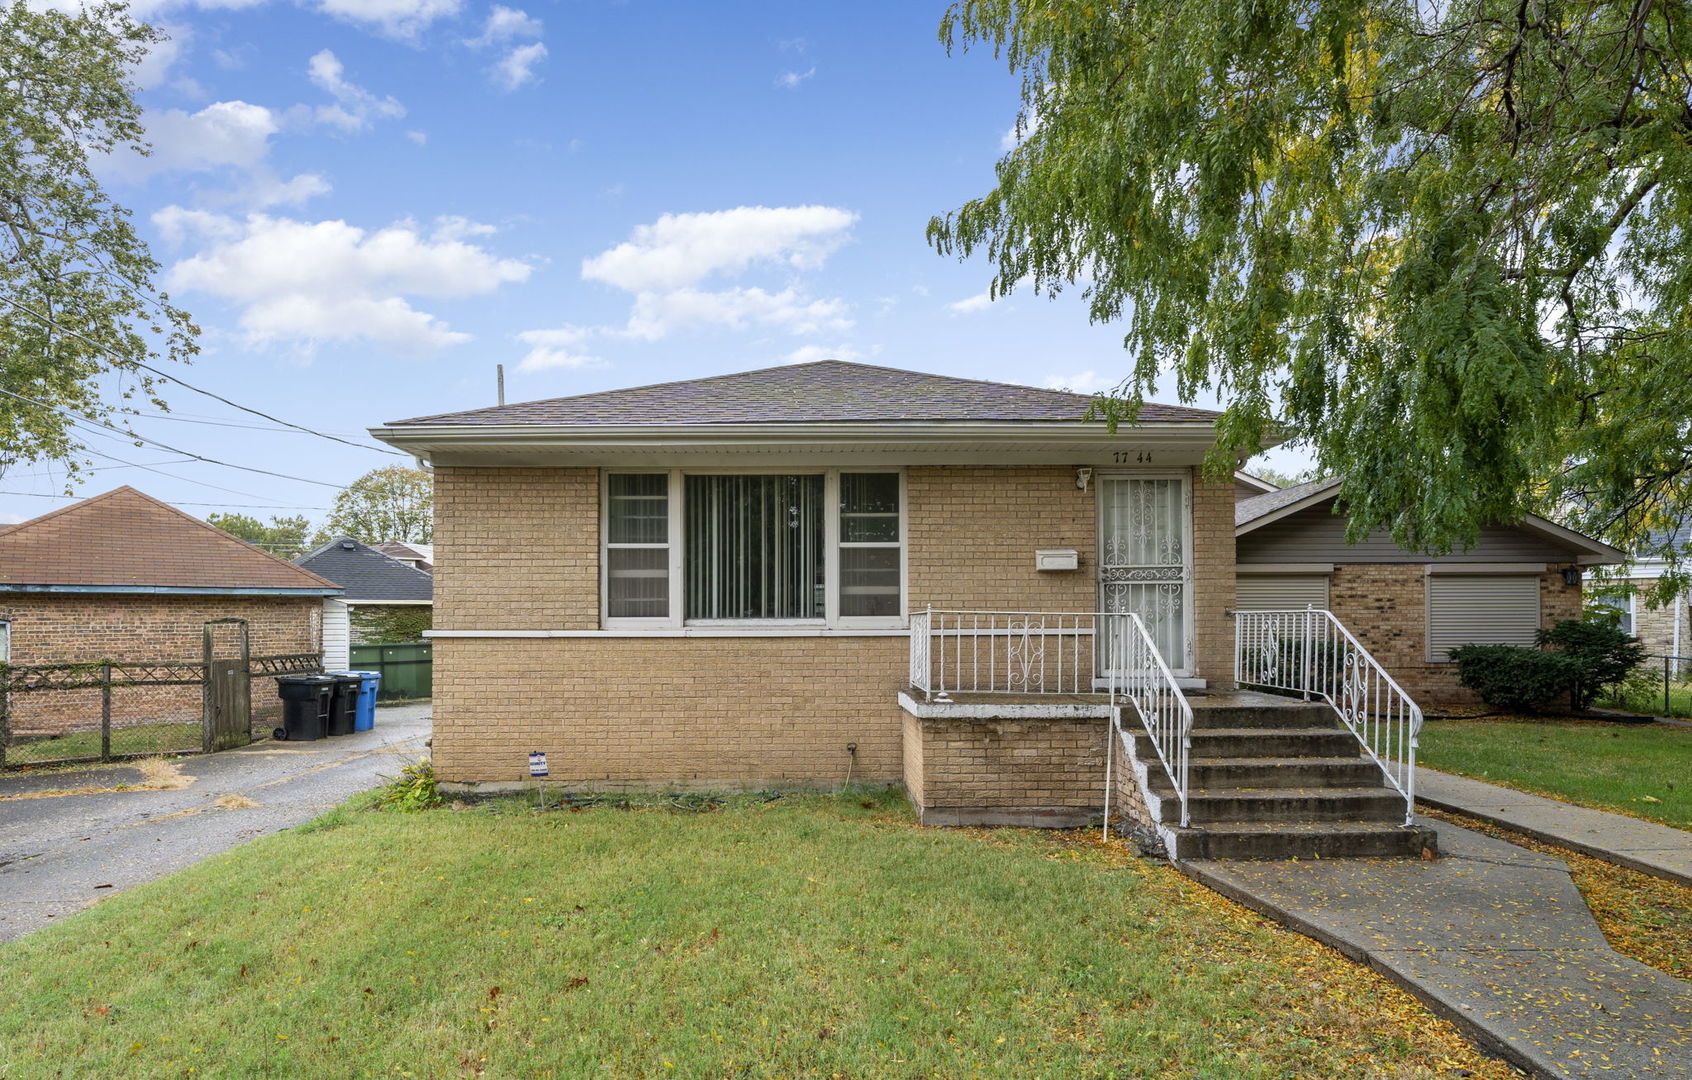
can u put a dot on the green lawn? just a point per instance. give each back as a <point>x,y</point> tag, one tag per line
<point>162,738</point>
<point>810,936</point>
<point>1639,769</point>
<point>1646,697</point>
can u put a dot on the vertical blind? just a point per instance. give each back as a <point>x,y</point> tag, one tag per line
<point>753,547</point>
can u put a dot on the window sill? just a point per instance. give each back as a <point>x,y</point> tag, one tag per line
<point>684,632</point>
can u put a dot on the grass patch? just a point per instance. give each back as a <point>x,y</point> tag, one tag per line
<point>1645,695</point>
<point>1639,769</point>
<point>810,936</point>
<point>1644,917</point>
<point>161,738</point>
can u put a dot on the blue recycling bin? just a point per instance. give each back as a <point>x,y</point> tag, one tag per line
<point>365,717</point>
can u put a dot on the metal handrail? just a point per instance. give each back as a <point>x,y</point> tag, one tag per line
<point>1001,652</point>
<point>1138,673</point>
<point>1310,652</point>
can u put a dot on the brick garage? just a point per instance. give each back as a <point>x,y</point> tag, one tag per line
<point>124,577</point>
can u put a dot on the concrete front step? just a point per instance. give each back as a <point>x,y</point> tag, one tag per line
<point>1352,770</point>
<point>1263,743</point>
<point>1271,806</point>
<point>1303,840</point>
<point>1292,714</point>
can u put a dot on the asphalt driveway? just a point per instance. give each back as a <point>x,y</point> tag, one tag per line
<point>60,853</point>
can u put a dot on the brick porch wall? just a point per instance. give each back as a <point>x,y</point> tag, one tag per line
<point>517,549</point>
<point>1031,772</point>
<point>1385,606</point>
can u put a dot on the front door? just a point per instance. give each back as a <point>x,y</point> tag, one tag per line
<point>1145,559</point>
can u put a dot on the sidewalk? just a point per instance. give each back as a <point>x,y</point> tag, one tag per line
<point>1639,845</point>
<point>1492,936</point>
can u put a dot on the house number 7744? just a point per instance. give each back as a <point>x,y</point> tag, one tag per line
<point>1135,457</point>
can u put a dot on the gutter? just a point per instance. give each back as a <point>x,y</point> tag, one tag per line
<point>163,590</point>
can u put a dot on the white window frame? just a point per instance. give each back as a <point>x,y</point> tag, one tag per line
<point>832,619</point>
<point>1630,609</point>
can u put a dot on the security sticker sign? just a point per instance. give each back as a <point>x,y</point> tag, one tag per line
<point>537,763</point>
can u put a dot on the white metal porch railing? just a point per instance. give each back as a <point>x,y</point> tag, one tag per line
<point>1051,652</point>
<point>1309,652</point>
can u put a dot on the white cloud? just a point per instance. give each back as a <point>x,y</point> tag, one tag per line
<point>1010,139</point>
<point>790,80</point>
<point>313,281</point>
<point>681,249</point>
<point>655,315</point>
<point>970,304</point>
<point>560,347</point>
<point>1082,382</point>
<point>810,354</point>
<point>506,24</point>
<point>397,18</point>
<point>517,67</point>
<point>355,107</point>
<point>267,189</point>
<point>225,133</point>
<point>421,138</point>
<point>160,56</point>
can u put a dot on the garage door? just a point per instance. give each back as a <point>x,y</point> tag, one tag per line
<point>1271,592</point>
<point>1480,610</point>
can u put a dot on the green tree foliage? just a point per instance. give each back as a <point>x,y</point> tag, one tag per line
<point>1577,659</point>
<point>79,314</point>
<point>1443,244</point>
<point>393,503</point>
<point>284,536</point>
<point>392,624</point>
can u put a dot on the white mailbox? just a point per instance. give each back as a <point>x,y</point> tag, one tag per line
<point>1057,559</point>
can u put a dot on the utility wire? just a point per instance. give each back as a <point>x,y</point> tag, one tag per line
<point>174,502</point>
<point>188,385</point>
<point>84,421</point>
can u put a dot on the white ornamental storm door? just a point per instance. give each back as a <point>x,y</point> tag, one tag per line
<point>1145,561</point>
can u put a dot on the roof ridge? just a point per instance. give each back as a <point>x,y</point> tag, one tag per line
<point>371,548</point>
<point>183,514</point>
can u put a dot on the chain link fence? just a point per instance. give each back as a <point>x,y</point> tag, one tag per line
<point>54,714</point>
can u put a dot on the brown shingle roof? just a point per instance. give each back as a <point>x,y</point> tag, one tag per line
<point>126,539</point>
<point>827,391</point>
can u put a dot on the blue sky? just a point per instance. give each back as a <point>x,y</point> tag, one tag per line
<point>367,204</point>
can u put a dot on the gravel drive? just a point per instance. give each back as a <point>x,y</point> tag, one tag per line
<point>59,854</point>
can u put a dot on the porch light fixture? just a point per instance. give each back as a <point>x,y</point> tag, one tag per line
<point>1082,476</point>
<point>1571,576</point>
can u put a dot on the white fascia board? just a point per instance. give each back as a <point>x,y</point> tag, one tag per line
<point>1059,443</point>
<point>363,602</point>
<point>1592,552</point>
<point>1262,486</point>
<point>1284,568</point>
<point>1433,569</point>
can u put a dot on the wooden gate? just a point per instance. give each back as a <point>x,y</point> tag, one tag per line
<point>228,685</point>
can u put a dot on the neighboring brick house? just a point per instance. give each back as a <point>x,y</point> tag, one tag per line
<point>1665,629</point>
<point>1406,608</point>
<point>708,583</point>
<point>385,601</point>
<point>123,576</point>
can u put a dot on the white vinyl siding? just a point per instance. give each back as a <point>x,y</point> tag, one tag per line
<point>1273,592</point>
<point>1475,609</point>
<point>336,634</point>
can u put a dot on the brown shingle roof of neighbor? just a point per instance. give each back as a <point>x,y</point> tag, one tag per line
<point>826,391</point>
<point>126,539</point>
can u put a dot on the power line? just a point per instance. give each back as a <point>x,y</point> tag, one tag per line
<point>174,502</point>
<point>84,421</point>
<point>188,385</point>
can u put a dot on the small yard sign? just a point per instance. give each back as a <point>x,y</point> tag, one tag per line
<point>537,763</point>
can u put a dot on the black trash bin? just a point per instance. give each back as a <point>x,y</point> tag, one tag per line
<point>343,708</point>
<point>305,706</point>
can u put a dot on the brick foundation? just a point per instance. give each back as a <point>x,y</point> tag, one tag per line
<point>1040,772</point>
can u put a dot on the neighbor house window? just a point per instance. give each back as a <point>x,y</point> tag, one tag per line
<point>1622,604</point>
<point>801,547</point>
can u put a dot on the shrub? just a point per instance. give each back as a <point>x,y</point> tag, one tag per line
<point>1512,677</point>
<point>1587,655</point>
<point>415,788</point>
<point>1603,656</point>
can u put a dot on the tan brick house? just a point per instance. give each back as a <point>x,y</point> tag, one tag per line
<point>711,582</point>
<point>1407,608</point>
<point>123,576</point>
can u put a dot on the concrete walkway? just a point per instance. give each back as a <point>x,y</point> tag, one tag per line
<point>1493,936</point>
<point>61,853</point>
<point>1639,845</point>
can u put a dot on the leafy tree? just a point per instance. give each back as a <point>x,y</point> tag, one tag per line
<point>80,318</point>
<point>392,624</point>
<point>393,503</point>
<point>1444,244</point>
<point>284,536</point>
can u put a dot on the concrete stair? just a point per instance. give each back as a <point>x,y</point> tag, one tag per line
<point>1276,778</point>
